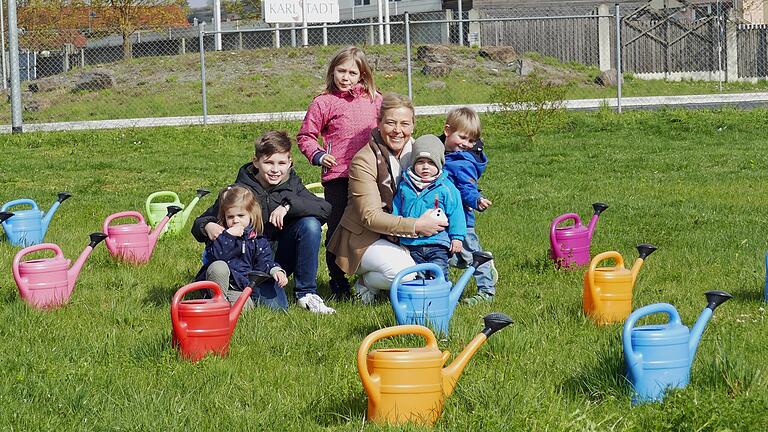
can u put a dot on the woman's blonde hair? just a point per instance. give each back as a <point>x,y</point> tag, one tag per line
<point>240,196</point>
<point>344,55</point>
<point>392,101</point>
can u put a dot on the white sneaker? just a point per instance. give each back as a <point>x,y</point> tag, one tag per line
<point>314,303</point>
<point>365,294</point>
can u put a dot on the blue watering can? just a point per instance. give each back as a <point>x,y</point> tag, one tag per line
<point>430,302</point>
<point>28,227</point>
<point>659,357</point>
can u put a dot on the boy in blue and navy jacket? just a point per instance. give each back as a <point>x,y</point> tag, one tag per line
<point>465,162</point>
<point>423,187</point>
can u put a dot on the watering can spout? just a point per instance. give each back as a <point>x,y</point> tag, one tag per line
<point>74,271</point>
<point>237,307</point>
<point>599,208</point>
<point>644,250</point>
<point>478,259</point>
<point>493,322</point>
<point>5,215</point>
<point>51,211</point>
<point>714,299</point>
<point>155,234</point>
<point>188,209</point>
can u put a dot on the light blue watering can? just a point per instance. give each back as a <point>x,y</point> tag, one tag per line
<point>430,302</point>
<point>28,227</point>
<point>659,357</point>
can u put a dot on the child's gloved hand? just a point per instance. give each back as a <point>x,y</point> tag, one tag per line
<point>281,278</point>
<point>236,230</point>
<point>456,247</point>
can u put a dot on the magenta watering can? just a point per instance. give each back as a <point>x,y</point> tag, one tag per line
<point>570,244</point>
<point>28,227</point>
<point>135,242</point>
<point>48,282</point>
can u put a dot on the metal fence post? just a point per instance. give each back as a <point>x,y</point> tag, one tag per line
<point>202,72</point>
<point>13,47</point>
<point>619,77</point>
<point>2,47</point>
<point>325,34</point>
<point>461,24</point>
<point>277,35</point>
<point>408,54</point>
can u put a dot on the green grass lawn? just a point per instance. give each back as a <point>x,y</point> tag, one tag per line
<point>269,80</point>
<point>689,182</point>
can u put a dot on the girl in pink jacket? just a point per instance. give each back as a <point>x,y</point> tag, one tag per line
<point>343,115</point>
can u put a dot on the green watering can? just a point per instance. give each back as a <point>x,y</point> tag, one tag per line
<point>157,210</point>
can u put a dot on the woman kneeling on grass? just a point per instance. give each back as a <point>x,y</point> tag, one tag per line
<point>364,242</point>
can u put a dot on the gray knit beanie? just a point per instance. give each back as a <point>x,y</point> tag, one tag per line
<point>429,146</point>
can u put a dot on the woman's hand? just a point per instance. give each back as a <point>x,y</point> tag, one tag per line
<point>281,278</point>
<point>427,225</point>
<point>328,161</point>
<point>276,218</point>
<point>456,247</point>
<point>213,230</point>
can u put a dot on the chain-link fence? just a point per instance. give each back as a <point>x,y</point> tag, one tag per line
<point>73,75</point>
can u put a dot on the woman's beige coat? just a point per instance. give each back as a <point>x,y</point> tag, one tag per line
<point>364,220</point>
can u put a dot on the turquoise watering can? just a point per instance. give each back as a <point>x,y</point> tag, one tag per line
<point>430,302</point>
<point>28,227</point>
<point>659,357</point>
<point>156,210</point>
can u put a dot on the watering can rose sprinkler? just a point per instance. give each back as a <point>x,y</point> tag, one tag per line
<point>156,210</point>
<point>28,227</point>
<point>430,302</point>
<point>134,242</point>
<point>659,357</point>
<point>569,245</point>
<point>608,290</point>
<point>411,384</point>
<point>46,283</point>
<point>205,326</point>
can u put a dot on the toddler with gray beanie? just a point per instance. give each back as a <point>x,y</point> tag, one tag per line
<point>425,186</point>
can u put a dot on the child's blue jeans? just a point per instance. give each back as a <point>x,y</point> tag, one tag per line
<point>483,278</point>
<point>431,254</point>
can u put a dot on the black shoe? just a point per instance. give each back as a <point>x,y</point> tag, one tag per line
<point>340,289</point>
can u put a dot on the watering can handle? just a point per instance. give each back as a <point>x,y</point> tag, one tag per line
<point>31,249</point>
<point>365,346</point>
<point>154,195</point>
<point>393,289</point>
<point>186,289</point>
<point>131,214</point>
<point>22,201</point>
<point>560,219</point>
<point>593,265</point>
<point>643,312</point>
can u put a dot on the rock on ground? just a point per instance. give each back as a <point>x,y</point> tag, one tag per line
<point>97,79</point>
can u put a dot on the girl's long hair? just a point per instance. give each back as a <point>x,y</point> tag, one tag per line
<point>240,196</point>
<point>343,56</point>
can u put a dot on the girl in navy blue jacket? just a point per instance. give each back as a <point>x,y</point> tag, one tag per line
<point>241,249</point>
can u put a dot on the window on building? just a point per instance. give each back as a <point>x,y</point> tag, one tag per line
<point>362,2</point>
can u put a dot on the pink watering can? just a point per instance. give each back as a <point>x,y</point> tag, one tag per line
<point>570,244</point>
<point>48,282</point>
<point>135,242</point>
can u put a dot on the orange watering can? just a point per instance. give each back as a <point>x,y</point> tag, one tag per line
<point>411,384</point>
<point>205,325</point>
<point>608,290</point>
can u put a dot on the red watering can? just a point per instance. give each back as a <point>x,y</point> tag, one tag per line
<point>205,325</point>
<point>134,242</point>
<point>570,244</point>
<point>48,282</point>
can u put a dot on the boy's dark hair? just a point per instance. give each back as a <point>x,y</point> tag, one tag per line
<point>272,142</point>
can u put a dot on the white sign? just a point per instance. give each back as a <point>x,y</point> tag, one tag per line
<point>291,11</point>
